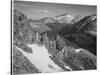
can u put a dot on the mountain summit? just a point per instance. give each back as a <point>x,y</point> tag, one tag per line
<point>64,18</point>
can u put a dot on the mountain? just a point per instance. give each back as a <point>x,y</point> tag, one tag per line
<point>38,26</point>
<point>46,20</point>
<point>88,24</point>
<point>64,18</point>
<point>22,34</point>
<point>77,18</point>
<point>58,22</point>
<point>82,33</point>
<point>21,64</point>
<point>44,50</point>
<point>66,53</point>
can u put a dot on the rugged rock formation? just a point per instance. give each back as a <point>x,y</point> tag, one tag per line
<point>88,24</point>
<point>21,64</point>
<point>82,33</point>
<point>65,53</point>
<point>22,34</point>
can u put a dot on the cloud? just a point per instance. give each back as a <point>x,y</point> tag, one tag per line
<point>42,11</point>
<point>45,11</point>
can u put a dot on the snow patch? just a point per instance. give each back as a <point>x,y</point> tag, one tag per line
<point>40,58</point>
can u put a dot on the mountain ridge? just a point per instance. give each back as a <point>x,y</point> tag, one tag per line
<point>63,18</point>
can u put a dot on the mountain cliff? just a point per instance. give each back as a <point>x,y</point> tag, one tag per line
<point>81,32</point>
<point>87,24</point>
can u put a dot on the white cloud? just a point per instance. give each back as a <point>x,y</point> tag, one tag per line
<point>45,11</point>
<point>42,11</point>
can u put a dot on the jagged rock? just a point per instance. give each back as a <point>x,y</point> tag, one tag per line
<point>77,18</point>
<point>82,33</point>
<point>87,24</point>
<point>21,64</point>
<point>66,53</point>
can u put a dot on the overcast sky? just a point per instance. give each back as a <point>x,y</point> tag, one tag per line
<point>37,10</point>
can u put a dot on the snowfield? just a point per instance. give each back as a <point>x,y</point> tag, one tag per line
<point>40,58</point>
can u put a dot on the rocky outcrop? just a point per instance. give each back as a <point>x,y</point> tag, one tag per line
<point>21,64</point>
<point>65,53</point>
<point>88,24</point>
<point>22,35</point>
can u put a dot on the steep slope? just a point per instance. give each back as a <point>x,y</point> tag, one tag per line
<point>67,54</point>
<point>82,33</point>
<point>87,24</point>
<point>23,34</point>
<point>21,65</point>
<point>63,56</point>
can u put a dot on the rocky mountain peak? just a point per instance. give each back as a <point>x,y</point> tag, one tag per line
<point>64,18</point>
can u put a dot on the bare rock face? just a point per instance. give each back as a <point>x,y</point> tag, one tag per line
<point>88,24</point>
<point>68,53</point>
<point>22,29</point>
<point>21,64</point>
<point>22,32</point>
<point>82,33</point>
<point>22,35</point>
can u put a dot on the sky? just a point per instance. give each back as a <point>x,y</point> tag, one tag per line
<point>37,10</point>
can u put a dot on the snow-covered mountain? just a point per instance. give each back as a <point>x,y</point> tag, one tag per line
<point>46,20</point>
<point>77,18</point>
<point>63,18</point>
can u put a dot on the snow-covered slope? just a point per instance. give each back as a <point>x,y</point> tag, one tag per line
<point>40,58</point>
<point>64,18</point>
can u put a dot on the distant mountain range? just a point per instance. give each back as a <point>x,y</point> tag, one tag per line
<point>58,22</point>
<point>87,24</point>
<point>63,18</point>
